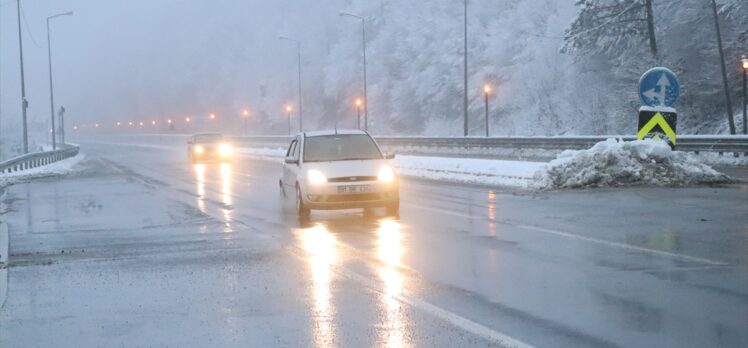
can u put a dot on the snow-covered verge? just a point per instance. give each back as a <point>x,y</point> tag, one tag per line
<point>469,170</point>
<point>58,168</point>
<point>618,163</point>
<point>607,163</point>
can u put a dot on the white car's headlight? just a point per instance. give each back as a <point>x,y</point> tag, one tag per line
<point>224,149</point>
<point>315,177</point>
<point>199,149</point>
<point>386,174</point>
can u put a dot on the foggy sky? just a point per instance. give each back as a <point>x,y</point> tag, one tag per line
<point>145,59</point>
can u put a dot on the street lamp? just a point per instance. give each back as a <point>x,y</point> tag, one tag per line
<point>744,61</point>
<point>358,111</point>
<point>212,116</point>
<point>24,102</point>
<point>465,75</point>
<point>288,112</point>
<point>486,92</point>
<point>363,45</point>
<point>187,119</point>
<point>245,114</point>
<point>51,88</point>
<point>298,50</point>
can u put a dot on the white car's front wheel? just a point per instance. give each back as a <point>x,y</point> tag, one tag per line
<point>301,210</point>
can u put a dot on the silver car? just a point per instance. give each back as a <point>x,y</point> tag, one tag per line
<point>339,169</point>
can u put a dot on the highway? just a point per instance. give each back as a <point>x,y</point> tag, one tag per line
<point>141,248</point>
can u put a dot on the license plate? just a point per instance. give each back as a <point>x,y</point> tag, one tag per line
<point>354,189</point>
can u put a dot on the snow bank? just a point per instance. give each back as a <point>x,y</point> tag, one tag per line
<point>618,163</point>
<point>469,170</point>
<point>276,155</point>
<point>58,168</point>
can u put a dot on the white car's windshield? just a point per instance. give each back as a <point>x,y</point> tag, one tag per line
<point>343,147</point>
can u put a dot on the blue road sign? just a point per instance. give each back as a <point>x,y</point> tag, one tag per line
<point>659,87</point>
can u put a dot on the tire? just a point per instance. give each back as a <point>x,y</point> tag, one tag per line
<point>301,210</point>
<point>393,209</point>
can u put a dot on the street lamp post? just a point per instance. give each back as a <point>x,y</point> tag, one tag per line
<point>744,62</point>
<point>465,74</point>
<point>245,116</point>
<point>363,45</point>
<point>486,92</point>
<point>298,51</point>
<point>358,113</point>
<point>24,102</point>
<point>288,112</point>
<point>51,85</point>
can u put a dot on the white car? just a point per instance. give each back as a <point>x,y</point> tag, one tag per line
<point>339,169</point>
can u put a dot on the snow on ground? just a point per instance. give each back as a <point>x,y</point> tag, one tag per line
<point>469,170</point>
<point>618,163</point>
<point>608,163</point>
<point>266,154</point>
<point>58,168</point>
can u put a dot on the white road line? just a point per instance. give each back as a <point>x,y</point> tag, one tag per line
<point>607,243</point>
<point>463,323</point>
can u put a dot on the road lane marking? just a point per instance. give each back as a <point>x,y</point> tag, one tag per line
<point>607,243</point>
<point>456,320</point>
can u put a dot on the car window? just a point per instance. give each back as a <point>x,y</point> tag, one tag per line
<point>297,149</point>
<point>340,147</point>
<point>291,148</point>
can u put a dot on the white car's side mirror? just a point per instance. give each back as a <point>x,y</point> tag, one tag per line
<point>291,160</point>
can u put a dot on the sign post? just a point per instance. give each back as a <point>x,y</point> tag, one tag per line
<point>658,90</point>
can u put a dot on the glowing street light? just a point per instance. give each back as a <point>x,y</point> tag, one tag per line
<point>96,125</point>
<point>130,123</point>
<point>141,123</point>
<point>212,116</point>
<point>245,114</point>
<point>363,45</point>
<point>153,123</point>
<point>168,121</point>
<point>486,92</point>
<point>119,124</point>
<point>359,103</point>
<point>288,112</point>
<point>298,51</point>
<point>187,119</point>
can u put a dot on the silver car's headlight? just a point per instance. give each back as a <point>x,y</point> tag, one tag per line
<point>224,149</point>
<point>315,177</point>
<point>386,174</point>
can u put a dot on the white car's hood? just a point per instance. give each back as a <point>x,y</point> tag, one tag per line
<point>338,169</point>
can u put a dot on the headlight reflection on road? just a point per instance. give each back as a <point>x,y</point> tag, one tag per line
<point>320,246</point>
<point>226,195</point>
<point>491,213</point>
<point>390,251</point>
<point>200,180</point>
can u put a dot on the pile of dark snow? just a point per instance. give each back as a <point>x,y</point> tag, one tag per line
<point>619,163</point>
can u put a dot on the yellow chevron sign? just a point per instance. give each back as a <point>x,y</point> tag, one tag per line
<point>654,123</point>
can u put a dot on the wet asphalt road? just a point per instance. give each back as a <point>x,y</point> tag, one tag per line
<point>141,248</point>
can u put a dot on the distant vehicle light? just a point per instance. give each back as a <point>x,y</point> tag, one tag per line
<point>315,177</point>
<point>224,150</point>
<point>386,174</point>
<point>199,149</point>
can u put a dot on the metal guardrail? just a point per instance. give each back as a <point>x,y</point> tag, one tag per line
<point>691,143</point>
<point>37,159</point>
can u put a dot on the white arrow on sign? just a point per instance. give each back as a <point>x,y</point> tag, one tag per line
<point>664,84</point>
